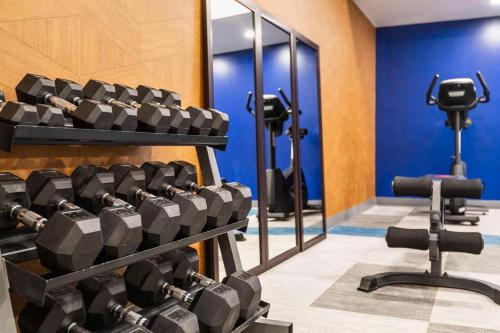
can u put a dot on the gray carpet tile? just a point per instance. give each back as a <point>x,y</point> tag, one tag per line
<point>408,302</point>
<point>420,211</point>
<point>443,328</point>
<point>373,221</point>
<point>487,262</point>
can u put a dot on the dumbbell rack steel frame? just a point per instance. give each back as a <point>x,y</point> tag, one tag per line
<point>436,277</point>
<point>18,245</point>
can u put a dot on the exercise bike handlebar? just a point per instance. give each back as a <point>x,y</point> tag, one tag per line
<point>485,98</point>
<point>287,101</point>
<point>430,99</point>
<point>249,101</point>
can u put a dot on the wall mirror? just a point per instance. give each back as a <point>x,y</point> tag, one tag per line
<point>265,75</point>
<point>233,77</point>
<point>313,219</point>
<point>276,77</point>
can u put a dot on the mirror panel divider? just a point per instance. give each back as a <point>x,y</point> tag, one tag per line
<point>259,14</point>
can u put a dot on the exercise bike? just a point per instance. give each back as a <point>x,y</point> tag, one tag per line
<point>280,185</point>
<point>457,97</point>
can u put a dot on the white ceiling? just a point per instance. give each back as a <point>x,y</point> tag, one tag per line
<point>384,13</point>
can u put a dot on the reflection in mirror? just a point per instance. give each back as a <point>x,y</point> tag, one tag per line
<point>278,120</point>
<point>310,150</point>
<point>233,78</point>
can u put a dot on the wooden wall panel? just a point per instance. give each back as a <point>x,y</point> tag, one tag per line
<point>347,51</point>
<point>155,42</point>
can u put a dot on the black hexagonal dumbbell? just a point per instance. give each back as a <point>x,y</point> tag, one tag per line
<point>78,233</point>
<point>124,117</point>
<point>159,181</point>
<point>219,200</point>
<point>241,195</point>
<point>242,200</point>
<point>220,120</point>
<point>50,116</point>
<point>35,89</point>
<point>181,119</point>
<point>94,187</point>
<point>69,241</point>
<point>186,266</point>
<point>161,217</point>
<point>17,113</point>
<point>105,298</point>
<point>216,306</point>
<point>152,117</point>
<point>63,311</point>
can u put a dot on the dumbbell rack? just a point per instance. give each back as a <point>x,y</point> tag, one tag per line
<point>17,246</point>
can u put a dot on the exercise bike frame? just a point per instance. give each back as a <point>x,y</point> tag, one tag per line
<point>458,120</point>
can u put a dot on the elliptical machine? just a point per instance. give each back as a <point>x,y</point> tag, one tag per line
<point>457,97</point>
<point>280,185</point>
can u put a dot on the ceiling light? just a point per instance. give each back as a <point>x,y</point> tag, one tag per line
<point>250,34</point>
<point>495,2</point>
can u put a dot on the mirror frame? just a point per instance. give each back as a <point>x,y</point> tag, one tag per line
<point>211,253</point>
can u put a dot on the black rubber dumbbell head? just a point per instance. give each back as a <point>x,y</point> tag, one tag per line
<point>169,97</point>
<point>100,293</point>
<point>34,89</point>
<point>124,116</point>
<point>219,200</point>
<point>90,183</point>
<point>242,200</point>
<point>216,306</point>
<point>249,292</point>
<point>18,113</point>
<point>50,116</point>
<point>201,121</point>
<point>73,242</point>
<point>69,90</point>
<point>180,119</point>
<point>176,320</point>
<point>47,188</point>
<point>184,261</point>
<point>72,239</point>
<point>193,208</point>
<point>63,306</point>
<point>152,117</point>
<point>145,279</point>
<point>12,191</point>
<point>220,122</point>
<point>147,94</point>
<point>121,226</point>
<point>160,217</point>
<point>125,93</point>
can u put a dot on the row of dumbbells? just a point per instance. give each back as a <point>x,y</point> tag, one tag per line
<point>100,214</point>
<point>101,301</point>
<point>100,105</point>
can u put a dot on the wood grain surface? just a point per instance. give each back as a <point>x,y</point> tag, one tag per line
<point>347,55</point>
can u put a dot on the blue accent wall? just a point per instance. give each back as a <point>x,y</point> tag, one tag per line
<point>411,137</point>
<point>233,78</point>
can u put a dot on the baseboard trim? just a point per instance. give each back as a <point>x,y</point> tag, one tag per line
<point>350,212</point>
<point>395,201</point>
